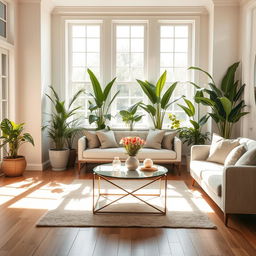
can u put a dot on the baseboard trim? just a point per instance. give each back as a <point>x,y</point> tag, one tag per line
<point>38,167</point>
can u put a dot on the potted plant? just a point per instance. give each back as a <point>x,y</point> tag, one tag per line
<point>129,116</point>
<point>159,103</point>
<point>225,100</point>
<point>58,129</point>
<point>13,137</point>
<point>101,105</point>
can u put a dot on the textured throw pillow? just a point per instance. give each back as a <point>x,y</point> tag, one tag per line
<point>220,150</point>
<point>248,158</point>
<point>92,139</point>
<point>154,139</point>
<point>216,137</point>
<point>167,142</point>
<point>107,139</point>
<point>234,155</point>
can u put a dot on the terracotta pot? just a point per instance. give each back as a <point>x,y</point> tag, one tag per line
<point>71,158</point>
<point>14,167</point>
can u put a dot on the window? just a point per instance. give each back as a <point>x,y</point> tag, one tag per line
<point>121,48</point>
<point>3,88</point>
<point>129,65</point>
<point>84,53</point>
<point>175,58</point>
<point>3,19</point>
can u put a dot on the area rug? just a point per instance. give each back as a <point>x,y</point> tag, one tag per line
<point>185,208</point>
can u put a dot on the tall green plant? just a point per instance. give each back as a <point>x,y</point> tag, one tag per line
<point>193,135</point>
<point>101,105</point>
<point>159,103</point>
<point>224,100</point>
<point>13,137</point>
<point>61,119</point>
<point>129,116</point>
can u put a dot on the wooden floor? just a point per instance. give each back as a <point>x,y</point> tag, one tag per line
<point>24,200</point>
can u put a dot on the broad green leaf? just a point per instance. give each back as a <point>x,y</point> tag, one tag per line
<point>96,86</point>
<point>93,118</point>
<point>199,69</point>
<point>227,105</point>
<point>190,106</point>
<point>206,101</point>
<point>195,124</point>
<point>108,89</point>
<point>148,91</point>
<point>160,84</point>
<point>168,94</point>
<point>239,93</point>
<point>186,110</point>
<point>216,89</point>
<point>228,80</point>
<point>203,120</point>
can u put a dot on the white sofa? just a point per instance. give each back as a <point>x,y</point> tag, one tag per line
<point>98,155</point>
<point>232,188</point>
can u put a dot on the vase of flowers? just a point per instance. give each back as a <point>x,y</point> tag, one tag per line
<point>132,146</point>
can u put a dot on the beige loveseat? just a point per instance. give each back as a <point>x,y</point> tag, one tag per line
<point>99,155</point>
<point>232,188</point>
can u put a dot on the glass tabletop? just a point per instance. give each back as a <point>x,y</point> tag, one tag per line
<point>122,172</point>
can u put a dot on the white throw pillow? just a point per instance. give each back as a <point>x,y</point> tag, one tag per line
<point>167,142</point>
<point>234,155</point>
<point>220,150</point>
<point>154,139</point>
<point>92,139</point>
<point>107,139</point>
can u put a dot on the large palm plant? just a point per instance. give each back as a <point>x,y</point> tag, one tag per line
<point>159,103</point>
<point>61,118</point>
<point>225,100</point>
<point>101,105</point>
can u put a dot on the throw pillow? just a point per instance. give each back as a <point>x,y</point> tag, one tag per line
<point>216,137</point>
<point>248,158</point>
<point>234,155</point>
<point>220,150</point>
<point>154,139</point>
<point>168,138</point>
<point>92,139</point>
<point>107,139</point>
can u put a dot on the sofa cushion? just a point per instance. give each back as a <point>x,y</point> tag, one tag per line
<point>92,139</point>
<point>248,158</point>
<point>107,139</point>
<point>198,167</point>
<point>154,139</point>
<point>110,153</point>
<point>220,150</point>
<point>167,142</point>
<point>213,180</point>
<point>250,144</point>
<point>234,155</point>
<point>120,134</point>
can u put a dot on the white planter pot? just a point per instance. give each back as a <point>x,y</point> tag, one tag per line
<point>58,159</point>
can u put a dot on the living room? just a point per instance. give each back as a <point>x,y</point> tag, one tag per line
<point>128,127</point>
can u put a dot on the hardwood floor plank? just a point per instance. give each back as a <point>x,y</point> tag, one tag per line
<point>125,242</point>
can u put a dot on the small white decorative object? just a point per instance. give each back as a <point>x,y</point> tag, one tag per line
<point>148,163</point>
<point>116,163</point>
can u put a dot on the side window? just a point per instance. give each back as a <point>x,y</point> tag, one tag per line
<point>3,19</point>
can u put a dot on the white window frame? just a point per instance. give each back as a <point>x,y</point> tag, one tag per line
<point>151,50</point>
<point>5,21</point>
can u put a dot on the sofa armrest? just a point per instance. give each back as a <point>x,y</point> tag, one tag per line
<point>81,147</point>
<point>200,152</point>
<point>239,190</point>
<point>178,148</point>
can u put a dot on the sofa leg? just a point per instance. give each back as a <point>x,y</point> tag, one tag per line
<point>193,182</point>
<point>79,167</point>
<point>226,215</point>
<point>178,168</point>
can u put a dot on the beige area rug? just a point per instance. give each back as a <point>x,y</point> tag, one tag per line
<point>185,208</point>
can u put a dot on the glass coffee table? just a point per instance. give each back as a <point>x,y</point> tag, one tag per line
<point>107,173</point>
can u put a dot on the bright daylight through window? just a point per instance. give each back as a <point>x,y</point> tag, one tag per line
<point>130,51</point>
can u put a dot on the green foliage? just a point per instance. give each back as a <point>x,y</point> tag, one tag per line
<point>175,123</point>
<point>13,137</point>
<point>101,105</point>
<point>192,135</point>
<point>60,126</point>
<point>129,116</point>
<point>159,103</point>
<point>225,101</point>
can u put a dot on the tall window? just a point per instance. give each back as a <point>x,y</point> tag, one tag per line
<point>84,53</point>
<point>129,65</point>
<point>175,57</point>
<point>3,88</point>
<point>3,19</point>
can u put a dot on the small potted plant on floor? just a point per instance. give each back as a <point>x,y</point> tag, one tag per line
<point>12,138</point>
<point>58,128</point>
